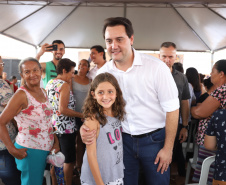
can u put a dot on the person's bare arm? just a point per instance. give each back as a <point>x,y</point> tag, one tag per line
<point>1,66</point>
<point>206,108</point>
<point>43,65</point>
<point>63,102</point>
<point>210,142</point>
<point>184,114</point>
<point>56,145</point>
<point>164,157</point>
<point>88,136</point>
<point>42,50</point>
<point>15,105</point>
<point>92,154</point>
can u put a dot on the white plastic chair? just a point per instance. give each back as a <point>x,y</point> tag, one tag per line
<point>47,176</point>
<point>205,171</point>
<point>191,163</point>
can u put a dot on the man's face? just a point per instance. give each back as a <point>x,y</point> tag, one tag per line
<point>168,56</point>
<point>60,51</point>
<point>118,43</point>
<point>96,56</point>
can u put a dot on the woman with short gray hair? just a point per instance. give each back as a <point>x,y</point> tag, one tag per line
<point>31,109</point>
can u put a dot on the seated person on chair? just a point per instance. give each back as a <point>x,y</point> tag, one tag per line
<point>215,140</point>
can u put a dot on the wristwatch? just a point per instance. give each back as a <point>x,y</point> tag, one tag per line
<point>185,126</point>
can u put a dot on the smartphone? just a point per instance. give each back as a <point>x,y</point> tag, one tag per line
<point>52,48</point>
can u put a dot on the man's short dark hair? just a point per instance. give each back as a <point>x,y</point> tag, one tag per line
<point>12,78</point>
<point>58,42</point>
<point>168,44</point>
<point>116,21</point>
<point>99,49</point>
<point>179,67</point>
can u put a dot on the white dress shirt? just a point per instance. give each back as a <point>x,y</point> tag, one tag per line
<point>92,73</point>
<point>149,91</point>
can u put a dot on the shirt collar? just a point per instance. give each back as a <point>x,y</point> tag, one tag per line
<point>137,58</point>
<point>136,61</point>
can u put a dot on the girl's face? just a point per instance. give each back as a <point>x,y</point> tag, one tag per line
<point>105,94</point>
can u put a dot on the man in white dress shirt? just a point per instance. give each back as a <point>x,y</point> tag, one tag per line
<point>97,55</point>
<point>152,106</point>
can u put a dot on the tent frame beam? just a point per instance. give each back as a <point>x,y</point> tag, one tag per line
<point>59,24</point>
<point>220,49</point>
<point>196,34</point>
<point>125,9</point>
<point>214,12</point>
<point>18,39</point>
<point>24,18</point>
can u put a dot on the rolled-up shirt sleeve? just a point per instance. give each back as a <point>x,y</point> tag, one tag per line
<point>171,105</point>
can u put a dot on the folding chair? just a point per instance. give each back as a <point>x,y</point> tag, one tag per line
<point>205,171</point>
<point>47,176</point>
<point>191,163</point>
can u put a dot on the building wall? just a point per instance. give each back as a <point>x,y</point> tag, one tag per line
<point>11,68</point>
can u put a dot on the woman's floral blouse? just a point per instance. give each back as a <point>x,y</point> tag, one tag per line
<point>5,94</point>
<point>34,124</point>
<point>63,124</point>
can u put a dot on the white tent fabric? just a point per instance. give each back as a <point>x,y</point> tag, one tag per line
<point>193,26</point>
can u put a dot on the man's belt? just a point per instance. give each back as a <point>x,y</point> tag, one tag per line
<point>146,134</point>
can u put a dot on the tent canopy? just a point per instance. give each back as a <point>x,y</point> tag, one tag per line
<point>193,26</point>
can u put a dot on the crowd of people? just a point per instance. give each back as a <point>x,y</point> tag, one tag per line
<point>121,122</point>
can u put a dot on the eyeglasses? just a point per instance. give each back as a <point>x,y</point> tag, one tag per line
<point>2,64</point>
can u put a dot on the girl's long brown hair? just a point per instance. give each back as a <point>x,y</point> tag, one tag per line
<point>92,109</point>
